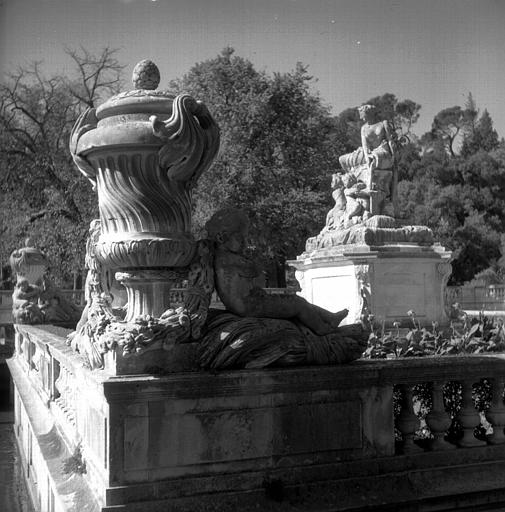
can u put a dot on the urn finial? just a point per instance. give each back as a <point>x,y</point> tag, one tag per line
<point>146,75</point>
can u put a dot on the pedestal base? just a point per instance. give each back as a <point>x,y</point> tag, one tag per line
<point>389,280</point>
<point>148,291</point>
<point>156,361</point>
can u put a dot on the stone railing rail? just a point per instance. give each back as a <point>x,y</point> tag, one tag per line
<point>342,413</point>
<point>477,298</point>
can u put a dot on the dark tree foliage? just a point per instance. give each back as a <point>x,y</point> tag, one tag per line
<point>42,195</point>
<point>483,137</point>
<point>460,195</point>
<point>279,147</point>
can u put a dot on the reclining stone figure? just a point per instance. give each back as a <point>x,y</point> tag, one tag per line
<point>261,329</point>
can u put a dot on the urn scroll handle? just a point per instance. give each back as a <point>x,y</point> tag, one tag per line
<point>85,122</point>
<point>191,139</point>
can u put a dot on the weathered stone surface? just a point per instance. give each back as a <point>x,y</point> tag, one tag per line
<point>36,300</point>
<point>387,280</point>
<point>367,234</point>
<point>144,150</point>
<point>287,439</point>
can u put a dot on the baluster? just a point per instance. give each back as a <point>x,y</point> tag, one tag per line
<point>408,421</point>
<point>72,399</point>
<point>497,412</point>
<point>469,418</point>
<point>438,419</point>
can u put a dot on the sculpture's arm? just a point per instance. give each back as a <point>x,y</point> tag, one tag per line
<point>364,142</point>
<point>367,154</point>
<point>390,139</point>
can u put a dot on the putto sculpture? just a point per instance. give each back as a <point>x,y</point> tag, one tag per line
<point>36,300</point>
<point>260,328</point>
<point>144,150</point>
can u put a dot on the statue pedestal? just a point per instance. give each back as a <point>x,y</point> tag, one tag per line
<point>392,279</point>
<point>182,357</point>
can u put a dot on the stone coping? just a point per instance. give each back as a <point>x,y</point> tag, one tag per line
<point>358,374</point>
<point>362,252</point>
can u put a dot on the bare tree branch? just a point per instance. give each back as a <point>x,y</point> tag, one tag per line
<point>98,75</point>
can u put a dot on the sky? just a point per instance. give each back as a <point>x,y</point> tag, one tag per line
<point>431,51</point>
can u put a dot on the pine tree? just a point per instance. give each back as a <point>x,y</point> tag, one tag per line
<point>483,138</point>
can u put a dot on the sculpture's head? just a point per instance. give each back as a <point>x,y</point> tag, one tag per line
<point>336,181</point>
<point>348,180</point>
<point>29,262</point>
<point>229,228</point>
<point>23,285</point>
<point>367,112</point>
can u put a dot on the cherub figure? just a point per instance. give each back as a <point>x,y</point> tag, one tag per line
<point>357,199</point>
<point>240,282</point>
<point>24,303</point>
<point>335,216</point>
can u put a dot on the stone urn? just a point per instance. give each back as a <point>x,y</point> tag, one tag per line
<point>29,263</point>
<point>144,150</point>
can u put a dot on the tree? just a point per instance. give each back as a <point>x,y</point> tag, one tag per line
<point>450,126</point>
<point>96,76</point>
<point>463,200</point>
<point>447,125</point>
<point>483,137</point>
<point>51,201</point>
<point>279,147</point>
<point>401,114</point>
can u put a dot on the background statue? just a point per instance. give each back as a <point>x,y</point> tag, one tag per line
<point>372,164</point>
<point>376,140</point>
<point>25,309</point>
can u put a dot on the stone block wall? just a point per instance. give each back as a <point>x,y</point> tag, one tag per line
<point>319,437</point>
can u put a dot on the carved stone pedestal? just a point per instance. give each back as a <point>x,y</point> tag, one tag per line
<point>389,280</point>
<point>148,291</point>
<point>157,361</point>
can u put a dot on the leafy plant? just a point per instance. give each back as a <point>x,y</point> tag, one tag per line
<point>465,335</point>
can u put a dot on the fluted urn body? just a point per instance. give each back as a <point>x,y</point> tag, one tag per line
<point>144,150</point>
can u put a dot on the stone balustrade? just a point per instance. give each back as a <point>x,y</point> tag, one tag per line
<point>197,439</point>
<point>477,298</point>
